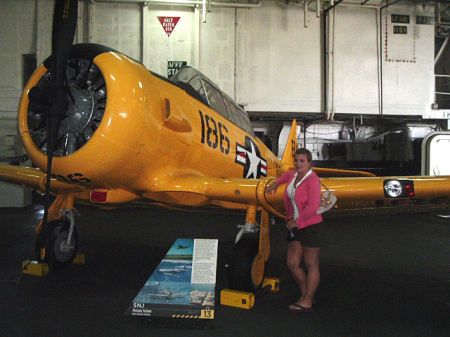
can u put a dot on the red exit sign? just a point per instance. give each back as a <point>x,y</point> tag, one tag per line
<point>168,23</point>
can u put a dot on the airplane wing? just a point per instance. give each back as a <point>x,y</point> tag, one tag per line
<point>34,179</point>
<point>199,190</point>
<point>236,193</point>
<point>364,195</point>
<point>169,274</point>
<point>157,295</point>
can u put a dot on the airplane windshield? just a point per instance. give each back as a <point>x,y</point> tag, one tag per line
<point>209,93</point>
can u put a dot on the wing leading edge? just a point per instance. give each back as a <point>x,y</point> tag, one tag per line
<point>34,179</point>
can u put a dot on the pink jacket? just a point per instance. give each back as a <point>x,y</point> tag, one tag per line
<point>307,199</point>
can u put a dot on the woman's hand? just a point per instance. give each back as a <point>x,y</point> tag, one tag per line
<point>291,224</point>
<point>272,188</point>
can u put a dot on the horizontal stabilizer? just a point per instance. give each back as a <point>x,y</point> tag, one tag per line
<point>327,172</point>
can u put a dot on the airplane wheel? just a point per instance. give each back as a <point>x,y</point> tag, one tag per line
<point>246,266</point>
<point>58,254</point>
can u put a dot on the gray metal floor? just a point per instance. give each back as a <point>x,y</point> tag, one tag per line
<point>381,276</point>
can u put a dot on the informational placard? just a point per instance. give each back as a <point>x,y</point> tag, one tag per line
<point>204,262</point>
<point>174,66</point>
<point>183,285</point>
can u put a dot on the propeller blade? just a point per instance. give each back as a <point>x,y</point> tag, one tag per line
<point>63,32</point>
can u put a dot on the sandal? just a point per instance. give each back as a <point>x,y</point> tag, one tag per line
<point>295,307</point>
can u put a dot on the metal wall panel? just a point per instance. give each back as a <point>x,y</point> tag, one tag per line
<point>283,65</point>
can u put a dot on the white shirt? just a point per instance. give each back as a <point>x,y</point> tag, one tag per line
<point>291,191</point>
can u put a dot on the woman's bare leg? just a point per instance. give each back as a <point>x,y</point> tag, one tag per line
<point>293,262</point>
<point>311,258</point>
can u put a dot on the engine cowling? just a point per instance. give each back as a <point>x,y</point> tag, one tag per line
<point>112,102</point>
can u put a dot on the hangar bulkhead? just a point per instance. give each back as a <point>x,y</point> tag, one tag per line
<point>366,80</point>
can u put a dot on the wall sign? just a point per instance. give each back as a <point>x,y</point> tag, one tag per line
<point>168,23</point>
<point>400,30</point>
<point>397,18</point>
<point>424,20</point>
<point>174,66</point>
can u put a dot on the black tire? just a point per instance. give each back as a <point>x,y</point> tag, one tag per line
<point>55,257</point>
<point>240,269</point>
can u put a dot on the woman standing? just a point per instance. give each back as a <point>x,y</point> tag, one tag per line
<point>306,231</point>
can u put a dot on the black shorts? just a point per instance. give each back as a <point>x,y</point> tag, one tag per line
<point>310,236</point>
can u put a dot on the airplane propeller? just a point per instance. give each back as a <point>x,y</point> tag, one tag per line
<point>53,101</point>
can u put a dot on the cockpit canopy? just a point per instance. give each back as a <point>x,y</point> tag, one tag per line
<point>209,93</point>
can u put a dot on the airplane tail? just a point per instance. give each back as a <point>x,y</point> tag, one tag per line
<point>291,146</point>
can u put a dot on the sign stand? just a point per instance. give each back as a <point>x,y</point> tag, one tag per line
<point>171,323</point>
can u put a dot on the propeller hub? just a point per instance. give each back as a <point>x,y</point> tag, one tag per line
<point>79,113</point>
<point>80,118</point>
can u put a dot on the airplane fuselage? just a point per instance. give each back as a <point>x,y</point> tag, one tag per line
<point>129,155</point>
<point>132,136</point>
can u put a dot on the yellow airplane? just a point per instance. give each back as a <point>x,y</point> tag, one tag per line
<point>111,133</point>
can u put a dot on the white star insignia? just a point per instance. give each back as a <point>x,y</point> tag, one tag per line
<point>254,161</point>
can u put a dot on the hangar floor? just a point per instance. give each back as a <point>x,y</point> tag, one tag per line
<point>381,276</point>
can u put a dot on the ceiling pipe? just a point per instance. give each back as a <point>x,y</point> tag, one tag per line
<point>184,3</point>
<point>305,13</point>
<point>204,11</point>
<point>326,10</point>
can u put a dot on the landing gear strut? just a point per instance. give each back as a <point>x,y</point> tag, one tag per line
<point>244,259</point>
<point>60,246</point>
<point>250,253</point>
